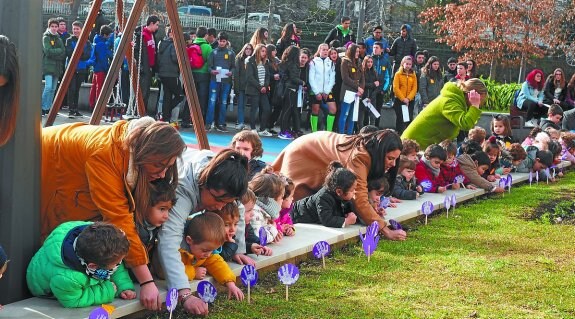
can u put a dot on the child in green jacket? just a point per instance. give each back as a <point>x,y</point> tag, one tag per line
<point>80,264</point>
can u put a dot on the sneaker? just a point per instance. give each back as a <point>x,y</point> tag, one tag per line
<point>239,127</point>
<point>71,114</point>
<point>274,132</point>
<point>76,113</point>
<point>285,135</point>
<point>265,133</point>
<point>531,123</point>
<point>210,128</point>
<point>221,128</point>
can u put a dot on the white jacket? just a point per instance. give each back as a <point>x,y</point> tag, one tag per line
<point>321,75</point>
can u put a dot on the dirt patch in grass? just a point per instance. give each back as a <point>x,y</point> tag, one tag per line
<point>556,211</point>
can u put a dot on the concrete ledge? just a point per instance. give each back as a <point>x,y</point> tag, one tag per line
<point>288,249</point>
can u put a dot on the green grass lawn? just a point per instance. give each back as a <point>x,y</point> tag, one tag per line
<point>487,260</point>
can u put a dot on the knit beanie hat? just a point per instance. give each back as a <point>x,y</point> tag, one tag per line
<point>270,206</point>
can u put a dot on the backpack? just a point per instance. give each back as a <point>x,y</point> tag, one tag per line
<point>196,57</point>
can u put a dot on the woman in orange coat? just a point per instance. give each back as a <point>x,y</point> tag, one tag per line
<point>103,173</point>
<point>368,155</point>
<point>404,89</point>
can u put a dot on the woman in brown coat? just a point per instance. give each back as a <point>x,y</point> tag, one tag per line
<point>368,156</point>
<point>352,80</point>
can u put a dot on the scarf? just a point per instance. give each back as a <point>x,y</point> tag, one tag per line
<point>435,171</point>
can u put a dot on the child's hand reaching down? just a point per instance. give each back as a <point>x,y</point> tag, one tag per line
<point>288,230</point>
<point>350,219</point>
<point>200,273</point>
<point>234,291</point>
<point>128,294</point>
<point>261,250</point>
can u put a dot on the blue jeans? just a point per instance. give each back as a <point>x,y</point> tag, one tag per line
<point>49,91</point>
<point>346,118</point>
<point>241,106</point>
<point>222,90</point>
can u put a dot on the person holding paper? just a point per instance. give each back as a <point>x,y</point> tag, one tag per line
<point>221,63</point>
<point>366,115</point>
<point>455,109</point>
<point>404,89</point>
<point>290,68</point>
<point>368,155</point>
<point>352,86</point>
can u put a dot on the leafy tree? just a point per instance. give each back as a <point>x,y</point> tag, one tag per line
<point>497,31</point>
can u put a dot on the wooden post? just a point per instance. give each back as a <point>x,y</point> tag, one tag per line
<point>116,64</point>
<point>184,63</point>
<point>69,72</point>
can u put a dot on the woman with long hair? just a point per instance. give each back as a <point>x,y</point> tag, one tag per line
<point>288,38</point>
<point>105,173</point>
<point>570,95</point>
<point>365,117</point>
<point>530,98</point>
<point>322,82</point>
<point>257,83</point>
<point>555,91</point>
<point>456,109</point>
<point>240,81</point>
<point>9,89</point>
<point>208,182</point>
<point>260,36</point>
<point>430,81</point>
<point>289,67</point>
<point>369,156</point>
<point>352,80</point>
<point>275,76</point>
<point>404,89</point>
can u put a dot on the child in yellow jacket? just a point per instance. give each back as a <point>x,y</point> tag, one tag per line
<point>205,234</point>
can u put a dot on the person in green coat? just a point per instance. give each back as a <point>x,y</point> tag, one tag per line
<point>54,54</point>
<point>80,264</point>
<point>455,109</point>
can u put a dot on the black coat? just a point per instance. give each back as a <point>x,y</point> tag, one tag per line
<point>323,207</point>
<point>253,86</point>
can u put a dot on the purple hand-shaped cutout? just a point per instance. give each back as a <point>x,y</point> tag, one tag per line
<point>453,200</point>
<point>321,249</point>
<point>207,291</point>
<point>249,275</point>
<point>370,240</point>
<point>447,202</point>
<point>503,183</point>
<point>427,208</point>
<point>384,202</point>
<point>288,274</point>
<point>263,236</point>
<point>509,181</point>
<point>172,299</point>
<point>459,179</point>
<point>395,224</point>
<point>99,313</point>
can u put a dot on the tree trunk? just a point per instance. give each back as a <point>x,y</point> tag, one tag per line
<point>74,11</point>
<point>271,20</point>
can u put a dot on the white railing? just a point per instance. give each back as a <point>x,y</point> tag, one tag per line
<point>58,8</point>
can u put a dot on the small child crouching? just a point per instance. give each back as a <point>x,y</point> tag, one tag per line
<point>450,169</point>
<point>162,198</point>
<point>80,264</point>
<point>252,240</point>
<point>284,222</point>
<point>473,166</point>
<point>269,190</point>
<point>331,205</point>
<point>405,182</point>
<point>230,214</point>
<point>205,234</point>
<point>410,149</point>
<point>376,189</point>
<point>427,170</point>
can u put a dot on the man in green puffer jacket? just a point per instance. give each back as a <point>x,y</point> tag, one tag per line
<point>80,264</point>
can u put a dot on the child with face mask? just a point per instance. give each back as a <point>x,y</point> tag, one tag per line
<point>80,264</point>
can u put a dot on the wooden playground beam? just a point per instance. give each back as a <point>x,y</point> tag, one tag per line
<point>186,70</point>
<point>69,72</point>
<point>116,64</point>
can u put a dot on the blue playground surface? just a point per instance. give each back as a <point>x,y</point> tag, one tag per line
<point>272,145</point>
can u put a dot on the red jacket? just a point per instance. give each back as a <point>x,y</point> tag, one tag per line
<point>449,172</point>
<point>426,179</point>
<point>150,46</point>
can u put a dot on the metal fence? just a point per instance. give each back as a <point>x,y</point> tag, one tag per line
<point>58,8</point>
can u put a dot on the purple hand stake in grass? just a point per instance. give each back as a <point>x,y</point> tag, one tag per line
<point>372,229</point>
<point>426,209</point>
<point>395,225</point>
<point>453,202</point>
<point>459,179</point>
<point>503,184</point>
<point>530,177</point>
<point>370,240</point>
<point>537,177</point>
<point>320,250</point>
<point>447,203</point>
<point>99,313</point>
<point>288,274</point>
<point>509,182</point>
<point>249,276</point>
<point>171,300</point>
<point>207,291</point>
<point>547,173</point>
<point>263,236</point>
